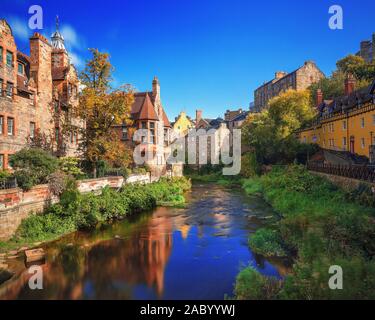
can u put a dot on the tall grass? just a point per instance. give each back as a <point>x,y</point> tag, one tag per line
<point>324,226</point>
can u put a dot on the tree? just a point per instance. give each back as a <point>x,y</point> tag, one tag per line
<point>271,133</point>
<point>102,107</point>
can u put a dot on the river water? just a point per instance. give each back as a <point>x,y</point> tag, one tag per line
<point>194,252</point>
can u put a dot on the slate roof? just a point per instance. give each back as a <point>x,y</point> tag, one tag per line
<point>348,102</point>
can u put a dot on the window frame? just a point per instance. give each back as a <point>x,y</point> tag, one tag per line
<point>11,120</point>
<point>12,56</point>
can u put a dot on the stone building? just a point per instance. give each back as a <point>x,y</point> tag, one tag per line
<point>299,79</point>
<point>367,49</point>
<point>147,113</point>
<point>36,94</point>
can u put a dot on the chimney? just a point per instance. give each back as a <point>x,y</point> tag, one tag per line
<point>198,116</point>
<point>156,88</point>
<point>280,74</point>
<point>349,84</point>
<point>319,97</point>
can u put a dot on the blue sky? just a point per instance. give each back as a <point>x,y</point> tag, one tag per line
<point>208,54</point>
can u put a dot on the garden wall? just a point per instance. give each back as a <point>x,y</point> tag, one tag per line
<point>347,184</point>
<point>16,205</point>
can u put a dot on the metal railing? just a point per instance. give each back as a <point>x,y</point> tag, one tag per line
<point>9,183</point>
<point>359,172</point>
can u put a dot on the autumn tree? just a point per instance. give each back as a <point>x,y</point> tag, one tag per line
<point>101,107</point>
<point>271,134</point>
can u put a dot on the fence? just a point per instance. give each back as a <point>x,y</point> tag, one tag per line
<point>9,183</point>
<point>359,172</point>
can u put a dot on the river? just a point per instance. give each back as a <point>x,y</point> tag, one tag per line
<point>194,252</point>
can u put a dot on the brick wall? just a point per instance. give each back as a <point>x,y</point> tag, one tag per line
<point>16,205</point>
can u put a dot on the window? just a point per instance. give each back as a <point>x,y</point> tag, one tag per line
<point>75,133</point>
<point>32,130</point>
<point>363,144</point>
<point>10,59</point>
<point>56,106</point>
<point>1,161</point>
<point>57,134</point>
<point>344,142</point>
<point>9,89</point>
<point>1,55</point>
<point>20,68</point>
<point>362,122</point>
<point>10,123</point>
<point>344,125</point>
<point>152,132</point>
<point>124,133</point>
<point>1,87</point>
<point>144,125</point>
<point>1,124</point>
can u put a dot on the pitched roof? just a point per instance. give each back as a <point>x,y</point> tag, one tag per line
<point>165,120</point>
<point>145,109</point>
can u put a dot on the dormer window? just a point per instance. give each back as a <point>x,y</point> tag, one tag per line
<point>21,68</point>
<point>9,59</point>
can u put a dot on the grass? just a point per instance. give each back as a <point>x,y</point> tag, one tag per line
<point>324,226</point>
<point>85,211</point>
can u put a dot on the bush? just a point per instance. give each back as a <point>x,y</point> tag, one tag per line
<point>251,285</point>
<point>250,166</point>
<point>32,166</point>
<point>267,243</point>
<point>70,166</point>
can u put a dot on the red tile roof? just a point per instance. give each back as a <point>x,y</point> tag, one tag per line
<point>59,73</point>
<point>143,108</point>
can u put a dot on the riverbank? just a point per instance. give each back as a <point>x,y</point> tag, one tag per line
<point>77,211</point>
<point>320,226</point>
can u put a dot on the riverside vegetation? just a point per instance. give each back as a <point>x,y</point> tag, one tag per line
<point>77,211</point>
<point>319,225</point>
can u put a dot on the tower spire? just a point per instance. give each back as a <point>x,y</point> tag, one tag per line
<point>57,38</point>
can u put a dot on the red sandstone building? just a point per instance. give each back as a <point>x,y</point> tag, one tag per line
<point>148,113</point>
<point>37,93</point>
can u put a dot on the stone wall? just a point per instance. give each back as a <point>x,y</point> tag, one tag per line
<point>345,183</point>
<point>16,205</point>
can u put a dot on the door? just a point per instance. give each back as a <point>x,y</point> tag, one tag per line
<point>352,144</point>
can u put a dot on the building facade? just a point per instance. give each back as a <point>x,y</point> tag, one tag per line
<point>367,49</point>
<point>299,79</point>
<point>36,95</point>
<point>147,113</point>
<point>182,124</point>
<point>346,124</point>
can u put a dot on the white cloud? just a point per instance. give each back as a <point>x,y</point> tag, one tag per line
<point>71,37</point>
<point>76,60</point>
<point>19,27</point>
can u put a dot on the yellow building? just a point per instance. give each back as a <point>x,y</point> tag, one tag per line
<point>183,124</point>
<point>346,123</point>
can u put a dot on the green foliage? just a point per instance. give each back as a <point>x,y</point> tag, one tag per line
<point>270,134</point>
<point>250,166</point>
<point>267,243</point>
<point>84,211</point>
<point>251,285</point>
<point>32,166</point>
<point>70,166</point>
<point>324,226</point>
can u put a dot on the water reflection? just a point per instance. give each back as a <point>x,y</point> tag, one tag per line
<point>191,253</point>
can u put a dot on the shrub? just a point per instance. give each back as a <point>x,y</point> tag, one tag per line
<point>70,166</point>
<point>251,285</point>
<point>250,166</point>
<point>32,166</point>
<point>267,243</point>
